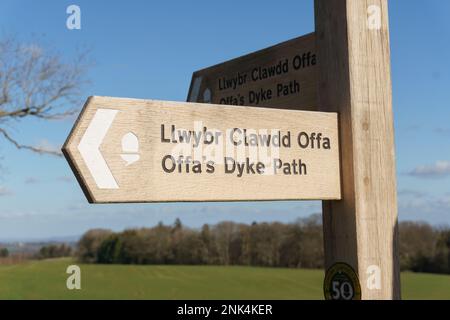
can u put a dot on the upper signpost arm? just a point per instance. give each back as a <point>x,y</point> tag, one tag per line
<point>352,39</point>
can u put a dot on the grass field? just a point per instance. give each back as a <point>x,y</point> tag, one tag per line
<point>47,280</point>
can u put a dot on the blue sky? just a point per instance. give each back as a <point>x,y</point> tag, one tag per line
<point>149,49</point>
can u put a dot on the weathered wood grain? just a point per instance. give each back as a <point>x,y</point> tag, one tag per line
<point>146,181</point>
<point>355,81</point>
<point>297,60</point>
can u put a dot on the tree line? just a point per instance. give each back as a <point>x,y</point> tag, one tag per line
<point>54,251</point>
<point>424,248</point>
<point>295,245</point>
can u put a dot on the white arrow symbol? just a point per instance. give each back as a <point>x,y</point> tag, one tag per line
<point>89,148</point>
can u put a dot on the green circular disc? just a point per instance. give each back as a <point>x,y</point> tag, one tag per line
<point>341,283</point>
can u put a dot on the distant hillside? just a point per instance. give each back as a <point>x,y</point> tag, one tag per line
<point>31,246</point>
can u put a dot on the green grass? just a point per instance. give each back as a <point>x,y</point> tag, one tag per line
<point>47,280</point>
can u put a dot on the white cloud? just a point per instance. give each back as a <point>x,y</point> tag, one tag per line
<point>15,213</point>
<point>443,131</point>
<point>31,180</point>
<point>433,209</point>
<point>66,179</point>
<point>5,191</point>
<point>410,192</point>
<point>438,170</point>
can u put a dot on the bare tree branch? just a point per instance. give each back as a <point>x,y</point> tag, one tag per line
<point>31,148</point>
<point>37,84</point>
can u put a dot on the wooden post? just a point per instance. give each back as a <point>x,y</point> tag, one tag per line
<point>352,39</point>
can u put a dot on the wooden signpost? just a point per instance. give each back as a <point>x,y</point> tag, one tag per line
<point>128,150</point>
<point>125,150</point>
<point>282,76</point>
<point>351,76</point>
